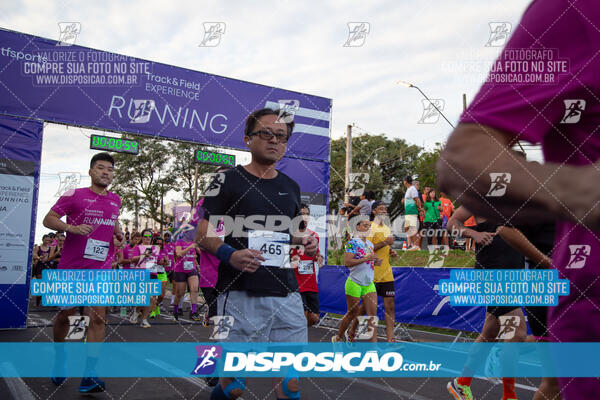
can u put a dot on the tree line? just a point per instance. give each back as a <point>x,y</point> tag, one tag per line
<point>162,166</point>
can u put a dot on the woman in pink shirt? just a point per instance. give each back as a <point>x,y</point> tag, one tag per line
<point>128,250</point>
<point>163,260</point>
<point>186,272</point>
<point>117,254</point>
<point>146,256</point>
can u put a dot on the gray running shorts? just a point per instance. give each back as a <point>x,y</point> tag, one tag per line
<point>264,319</point>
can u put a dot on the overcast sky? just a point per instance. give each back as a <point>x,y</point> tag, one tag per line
<point>292,45</point>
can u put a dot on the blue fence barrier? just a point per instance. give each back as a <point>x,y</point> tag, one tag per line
<point>417,300</point>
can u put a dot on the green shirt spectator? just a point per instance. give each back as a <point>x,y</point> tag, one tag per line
<point>432,213</point>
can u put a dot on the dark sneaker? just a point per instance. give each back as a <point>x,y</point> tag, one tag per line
<point>58,380</point>
<point>58,372</point>
<point>206,320</point>
<point>212,381</point>
<point>92,385</point>
<point>195,316</point>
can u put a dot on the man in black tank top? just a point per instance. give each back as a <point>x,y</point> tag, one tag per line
<point>491,252</point>
<point>496,255</point>
<point>538,256</point>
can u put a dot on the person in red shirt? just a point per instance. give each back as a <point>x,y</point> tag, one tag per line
<point>446,213</point>
<point>304,267</point>
<point>470,243</point>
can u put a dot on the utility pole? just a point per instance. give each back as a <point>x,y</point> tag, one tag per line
<point>348,162</point>
<point>464,102</point>
<point>195,195</point>
<point>137,214</point>
<point>162,196</point>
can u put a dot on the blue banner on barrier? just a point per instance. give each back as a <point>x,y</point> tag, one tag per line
<point>307,359</point>
<point>417,299</point>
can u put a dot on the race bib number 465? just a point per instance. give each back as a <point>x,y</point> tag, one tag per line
<point>274,246</point>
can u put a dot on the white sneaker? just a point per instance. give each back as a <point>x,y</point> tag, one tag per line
<point>145,324</point>
<point>134,317</point>
<point>413,248</point>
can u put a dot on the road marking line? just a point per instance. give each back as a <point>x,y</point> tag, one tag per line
<point>17,386</point>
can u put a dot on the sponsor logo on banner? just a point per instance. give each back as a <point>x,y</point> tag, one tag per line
<point>499,183</point>
<point>508,326</point>
<point>444,300</point>
<point>213,31</point>
<point>357,34</point>
<point>499,33</point>
<point>68,33</point>
<point>579,255</point>
<point>207,359</point>
<point>573,110</point>
<point>431,111</point>
<point>141,111</point>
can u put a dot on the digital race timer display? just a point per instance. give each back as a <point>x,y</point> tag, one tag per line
<point>114,144</point>
<point>214,158</point>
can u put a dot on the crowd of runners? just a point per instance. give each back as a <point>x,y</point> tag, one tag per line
<point>276,304</point>
<point>514,213</point>
<point>282,301</point>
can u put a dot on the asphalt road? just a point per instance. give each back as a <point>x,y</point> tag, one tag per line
<point>164,328</point>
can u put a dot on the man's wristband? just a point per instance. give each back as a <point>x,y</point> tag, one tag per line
<point>224,252</point>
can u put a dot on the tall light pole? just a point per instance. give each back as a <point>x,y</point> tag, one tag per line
<point>162,201</point>
<point>372,153</point>
<point>137,213</point>
<point>410,85</point>
<point>348,162</point>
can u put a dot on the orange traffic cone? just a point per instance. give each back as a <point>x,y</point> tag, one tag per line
<point>404,247</point>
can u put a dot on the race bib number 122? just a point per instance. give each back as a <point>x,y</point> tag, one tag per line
<point>96,250</point>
